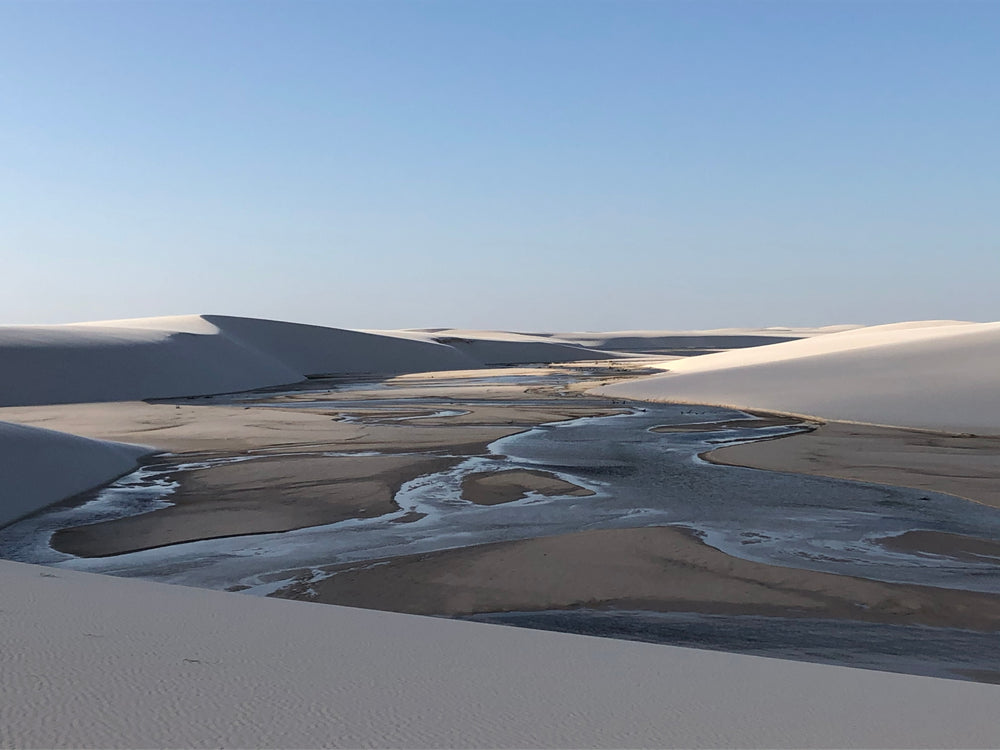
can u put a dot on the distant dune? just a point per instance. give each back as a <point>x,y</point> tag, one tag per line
<point>95,661</point>
<point>195,355</point>
<point>188,355</point>
<point>718,338</point>
<point>936,375</point>
<point>652,342</point>
<point>491,348</point>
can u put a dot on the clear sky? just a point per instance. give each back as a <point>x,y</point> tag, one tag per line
<point>527,165</point>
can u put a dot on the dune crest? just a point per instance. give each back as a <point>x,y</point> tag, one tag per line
<point>934,375</point>
<point>190,355</point>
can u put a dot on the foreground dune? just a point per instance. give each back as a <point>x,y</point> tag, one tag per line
<point>91,661</point>
<point>937,375</point>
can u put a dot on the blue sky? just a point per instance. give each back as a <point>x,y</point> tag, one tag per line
<point>528,165</point>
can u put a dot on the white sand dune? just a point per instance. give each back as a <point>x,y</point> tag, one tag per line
<point>653,341</point>
<point>937,375</point>
<point>39,467</point>
<point>94,661</point>
<point>91,661</point>
<point>191,355</point>
<point>715,338</point>
<point>508,347</point>
<point>202,354</point>
<point>64,364</point>
<point>638,341</point>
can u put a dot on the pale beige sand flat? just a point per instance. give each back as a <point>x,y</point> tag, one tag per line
<point>967,467</point>
<point>658,569</point>
<point>256,497</point>
<point>940,543</point>
<point>293,482</point>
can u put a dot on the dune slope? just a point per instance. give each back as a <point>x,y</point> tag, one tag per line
<point>934,375</point>
<point>93,661</point>
<point>66,364</point>
<point>39,467</point>
<point>192,355</point>
<point>509,348</point>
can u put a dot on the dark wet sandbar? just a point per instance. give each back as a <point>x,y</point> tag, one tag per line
<point>255,497</point>
<point>958,546</point>
<point>496,487</point>
<point>663,569</point>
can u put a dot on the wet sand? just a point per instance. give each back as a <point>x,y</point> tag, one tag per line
<point>229,430</point>
<point>278,466</point>
<point>495,487</point>
<point>762,420</point>
<point>961,465</point>
<point>256,497</point>
<point>943,544</point>
<point>663,569</point>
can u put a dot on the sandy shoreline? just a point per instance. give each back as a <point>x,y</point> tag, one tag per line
<point>761,419</point>
<point>256,497</point>
<point>494,487</point>
<point>960,465</point>
<point>292,482</point>
<point>925,375</point>
<point>955,546</point>
<point>98,661</point>
<point>284,467</point>
<point>660,569</point>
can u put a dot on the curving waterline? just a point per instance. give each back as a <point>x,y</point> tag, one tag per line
<point>639,477</point>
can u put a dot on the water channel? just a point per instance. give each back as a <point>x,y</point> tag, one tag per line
<point>639,476</point>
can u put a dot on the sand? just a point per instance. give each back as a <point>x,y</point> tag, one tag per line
<point>121,360</point>
<point>684,343</point>
<point>924,375</point>
<point>662,569</point>
<point>226,429</point>
<point>291,468</point>
<point>762,420</point>
<point>940,543</point>
<point>911,404</point>
<point>39,467</point>
<point>93,661</point>
<point>492,348</point>
<point>967,467</point>
<point>495,487</point>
